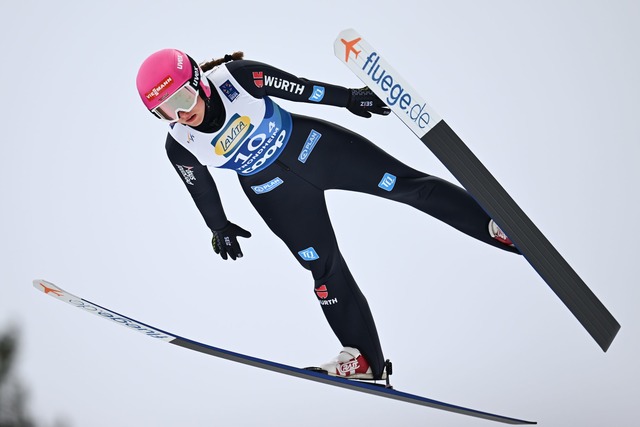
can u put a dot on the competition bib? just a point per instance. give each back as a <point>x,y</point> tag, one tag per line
<point>253,136</point>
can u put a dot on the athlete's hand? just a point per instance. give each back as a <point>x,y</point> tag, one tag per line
<point>363,102</point>
<point>225,242</point>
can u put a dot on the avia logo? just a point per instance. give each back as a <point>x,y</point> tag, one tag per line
<point>349,47</point>
<point>47,290</point>
<point>237,128</point>
<point>322,292</point>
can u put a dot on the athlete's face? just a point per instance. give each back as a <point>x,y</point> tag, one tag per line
<point>195,116</point>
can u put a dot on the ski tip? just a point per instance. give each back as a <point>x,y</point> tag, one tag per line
<point>347,31</point>
<point>346,40</point>
<point>47,287</point>
<point>606,341</point>
<point>40,284</point>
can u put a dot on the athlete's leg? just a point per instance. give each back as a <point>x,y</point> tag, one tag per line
<point>297,213</point>
<point>341,159</point>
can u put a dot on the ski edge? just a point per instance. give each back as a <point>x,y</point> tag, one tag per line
<point>58,293</point>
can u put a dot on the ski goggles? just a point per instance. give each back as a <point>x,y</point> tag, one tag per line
<point>184,99</point>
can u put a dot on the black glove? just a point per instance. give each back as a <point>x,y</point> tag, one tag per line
<point>225,243</point>
<point>363,102</point>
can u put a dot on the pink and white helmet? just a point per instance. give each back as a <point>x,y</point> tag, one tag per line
<point>167,82</point>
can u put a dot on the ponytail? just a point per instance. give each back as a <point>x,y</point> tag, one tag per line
<point>206,66</point>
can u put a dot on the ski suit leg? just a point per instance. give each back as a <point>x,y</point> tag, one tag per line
<point>296,212</point>
<point>289,195</point>
<point>342,159</point>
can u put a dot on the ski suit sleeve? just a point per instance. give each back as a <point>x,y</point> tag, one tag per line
<point>199,182</point>
<point>262,80</point>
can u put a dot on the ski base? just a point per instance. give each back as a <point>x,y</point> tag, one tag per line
<point>370,67</point>
<point>529,240</point>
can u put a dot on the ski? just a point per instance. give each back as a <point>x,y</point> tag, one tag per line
<point>367,63</point>
<point>363,387</point>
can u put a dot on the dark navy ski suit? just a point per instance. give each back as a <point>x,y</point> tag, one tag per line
<point>285,162</point>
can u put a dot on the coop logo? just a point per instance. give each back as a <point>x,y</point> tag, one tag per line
<point>261,149</point>
<point>397,93</point>
<point>388,182</point>
<point>265,142</point>
<point>323,296</point>
<point>235,131</point>
<point>308,254</point>
<point>187,174</point>
<point>268,186</point>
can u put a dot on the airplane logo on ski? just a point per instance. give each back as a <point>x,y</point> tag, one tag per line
<point>349,47</point>
<point>46,290</point>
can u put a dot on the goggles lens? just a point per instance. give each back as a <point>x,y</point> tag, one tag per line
<point>184,99</point>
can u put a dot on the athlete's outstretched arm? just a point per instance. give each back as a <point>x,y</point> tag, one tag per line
<point>199,182</point>
<point>262,80</point>
<point>205,194</point>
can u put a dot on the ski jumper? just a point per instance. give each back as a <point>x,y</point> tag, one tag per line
<point>285,163</point>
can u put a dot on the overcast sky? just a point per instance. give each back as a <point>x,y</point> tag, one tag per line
<point>545,93</point>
